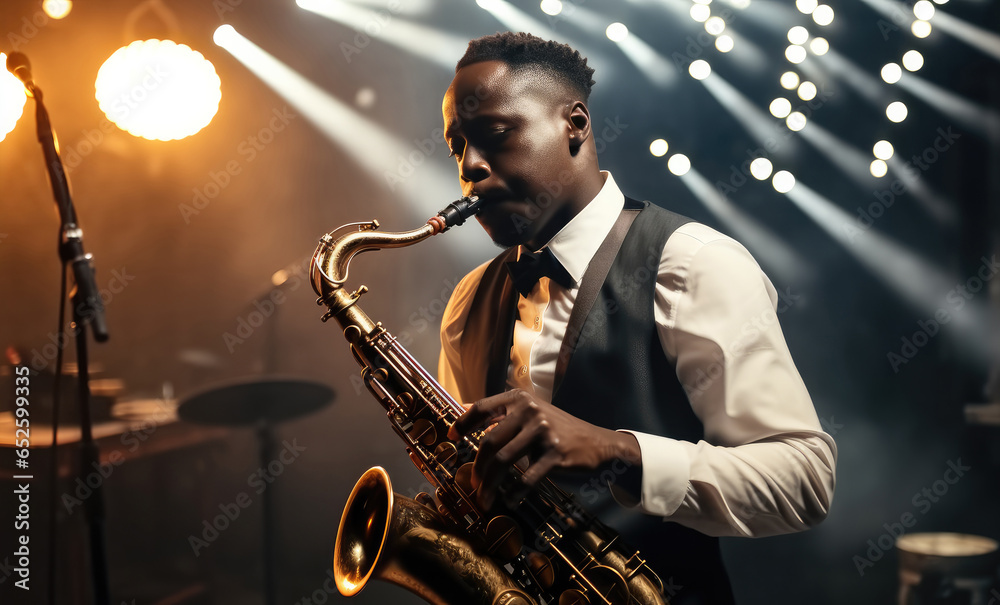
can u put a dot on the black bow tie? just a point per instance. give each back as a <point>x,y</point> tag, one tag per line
<point>526,271</point>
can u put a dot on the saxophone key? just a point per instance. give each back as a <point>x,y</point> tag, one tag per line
<point>503,538</point>
<point>423,432</point>
<point>426,499</point>
<point>446,454</point>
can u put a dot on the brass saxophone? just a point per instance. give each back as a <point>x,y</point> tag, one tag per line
<point>547,549</point>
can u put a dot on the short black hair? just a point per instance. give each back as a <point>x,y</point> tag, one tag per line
<point>520,51</point>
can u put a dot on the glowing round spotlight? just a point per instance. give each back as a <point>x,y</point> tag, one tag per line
<point>700,12</point>
<point>789,80</point>
<point>659,148</point>
<point>616,32</point>
<point>225,34</point>
<point>798,35</point>
<point>896,111</point>
<point>823,15</point>
<point>551,7</point>
<point>795,53</point>
<point>783,181</point>
<point>795,121</point>
<point>279,277</point>
<point>883,150</point>
<point>806,7</point>
<point>365,98</point>
<point>807,91</point>
<point>923,10</point>
<point>921,29</point>
<point>678,164</point>
<point>891,73</point>
<point>700,69</point>
<point>158,90</point>
<point>57,9</point>
<point>761,169</point>
<point>819,46</point>
<point>780,107</point>
<point>12,99</point>
<point>715,25</point>
<point>878,168</point>
<point>725,43</point>
<point>912,60</point>
<point>940,1</point>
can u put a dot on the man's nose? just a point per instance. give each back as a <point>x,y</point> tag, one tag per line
<point>474,167</point>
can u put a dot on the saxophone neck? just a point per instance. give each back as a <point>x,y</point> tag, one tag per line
<point>330,262</point>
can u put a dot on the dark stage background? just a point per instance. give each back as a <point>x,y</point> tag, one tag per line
<point>865,276</point>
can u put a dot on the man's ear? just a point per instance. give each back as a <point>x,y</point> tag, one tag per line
<point>579,125</point>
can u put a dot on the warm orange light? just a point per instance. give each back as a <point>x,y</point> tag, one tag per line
<point>12,99</point>
<point>57,9</point>
<point>158,90</point>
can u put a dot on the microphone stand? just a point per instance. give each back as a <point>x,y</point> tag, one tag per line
<point>88,310</point>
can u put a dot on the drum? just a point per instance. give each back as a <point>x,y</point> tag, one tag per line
<point>946,568</point>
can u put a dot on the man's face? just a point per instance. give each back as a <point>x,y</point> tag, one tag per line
<point>510,134</point>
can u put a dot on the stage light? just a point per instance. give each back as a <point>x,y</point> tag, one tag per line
<point>795,53</point>
<point>923,10</point>
<point>715,25</point>
<point>12,99</point>
<point>678,164</point>
<point>426,42</point>
<point>659,148</point>
<point>158,90</point>
<point>57,9</point>
<point>795,121</point>
<point>913,60</point>
<point>700,69</point>
<point>551,7</point>
<point>789,80</point>
<point>783,181</point>
<point>780,107</point>
<point>616,32</point>
<point>761,168</point>
<point>365,98</point>
<point>879,169</point>
<point>806,7</point>
<point>823,15</point>
<point>798,35</point>
<point>807,91</point>
<point>883,150</point>
<point>724,43</point>
<point>700,12</point>
<point>921,29</point>
<point>819,46</point>
<point>891,73</point>
<point>896,111</point>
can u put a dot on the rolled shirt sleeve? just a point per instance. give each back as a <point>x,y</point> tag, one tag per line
<point>765,466</point>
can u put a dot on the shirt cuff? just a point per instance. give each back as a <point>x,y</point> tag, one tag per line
<point>666,472</point>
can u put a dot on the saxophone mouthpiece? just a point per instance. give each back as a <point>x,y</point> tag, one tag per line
<point>454,214</point>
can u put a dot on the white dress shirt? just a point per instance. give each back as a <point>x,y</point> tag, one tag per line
<point>765,466</point>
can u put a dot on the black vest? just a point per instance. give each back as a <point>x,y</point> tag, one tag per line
<point>617,377</point>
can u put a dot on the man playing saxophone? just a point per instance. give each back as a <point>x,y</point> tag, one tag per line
<point>614,335</point>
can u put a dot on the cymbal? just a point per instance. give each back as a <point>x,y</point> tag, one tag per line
<point>247,402</point>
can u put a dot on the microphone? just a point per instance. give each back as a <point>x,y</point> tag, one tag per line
<point>18,64</point>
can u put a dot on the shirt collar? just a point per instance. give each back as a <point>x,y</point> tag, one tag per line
<point>577,242</point>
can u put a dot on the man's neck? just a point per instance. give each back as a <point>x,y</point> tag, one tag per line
<point>588,187</point>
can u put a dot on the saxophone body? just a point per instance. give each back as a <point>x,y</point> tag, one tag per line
<point>442,547</point>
